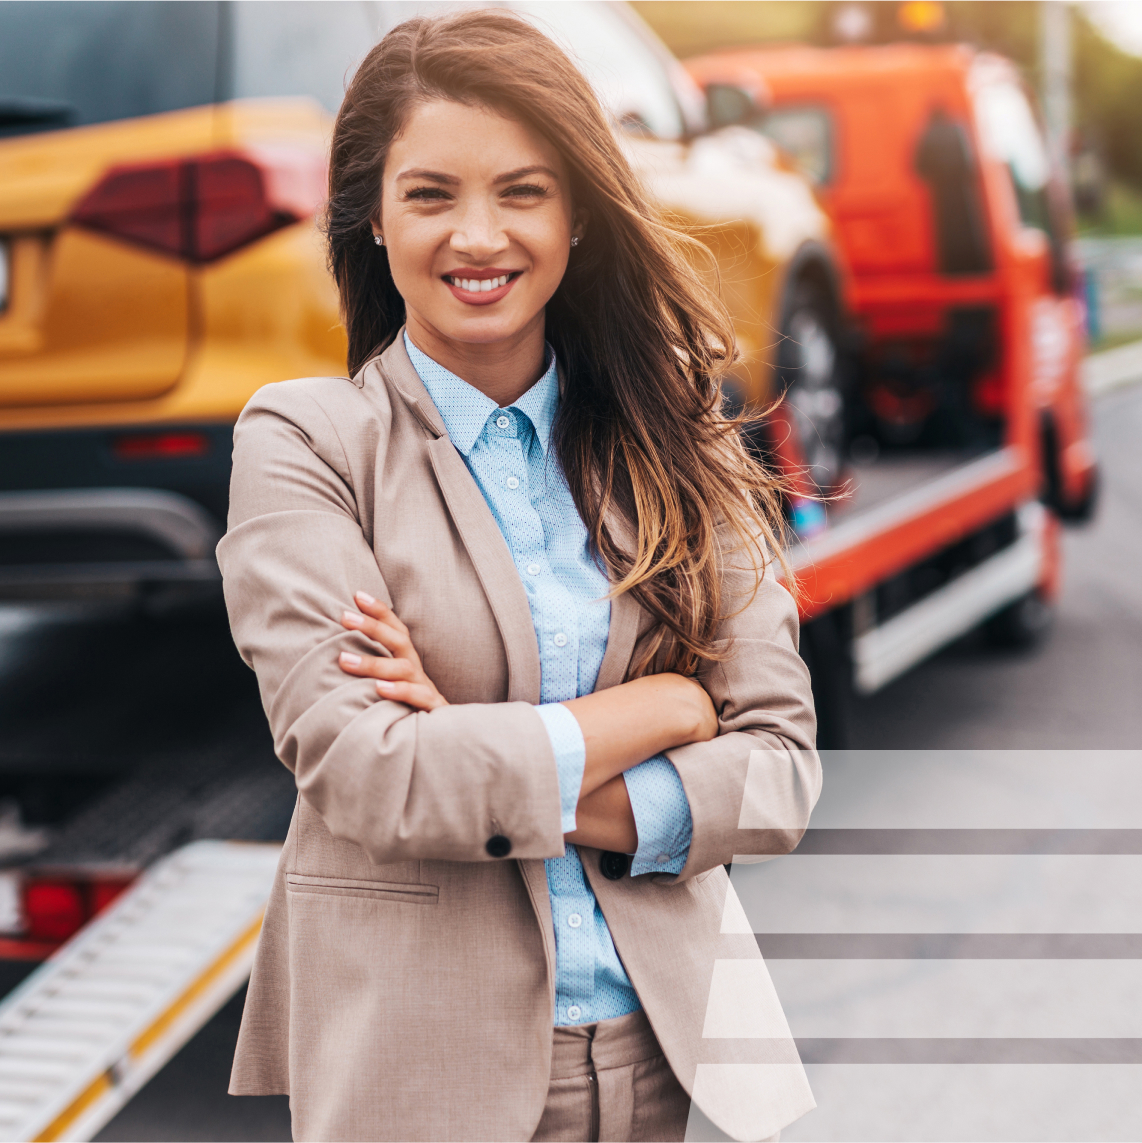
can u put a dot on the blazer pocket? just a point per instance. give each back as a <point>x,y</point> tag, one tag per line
<point>404,893</point>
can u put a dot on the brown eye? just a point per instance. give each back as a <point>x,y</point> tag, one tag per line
<point>425,194</point>
<point>527,190</point>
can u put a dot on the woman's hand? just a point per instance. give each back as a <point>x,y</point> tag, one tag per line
<point>400,678</point>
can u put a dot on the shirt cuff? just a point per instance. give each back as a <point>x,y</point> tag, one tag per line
<point>661,816</point>
<point>570,757</point>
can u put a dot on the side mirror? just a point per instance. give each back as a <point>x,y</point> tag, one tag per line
<point>728,105</point>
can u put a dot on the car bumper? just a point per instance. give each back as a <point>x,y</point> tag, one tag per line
<point>104,544</point>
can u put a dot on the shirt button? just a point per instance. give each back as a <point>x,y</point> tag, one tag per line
<point>662,858</point>
<point>533,569</point>
<point>560,640</point>
<point>574,920</point>
<point>502,422</point>
<point>574,1012</point>
<point>512,482</point>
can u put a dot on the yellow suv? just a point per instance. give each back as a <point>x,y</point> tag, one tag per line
<point>162,167</point>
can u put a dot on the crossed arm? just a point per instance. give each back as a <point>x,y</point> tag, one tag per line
<point>622,726</point>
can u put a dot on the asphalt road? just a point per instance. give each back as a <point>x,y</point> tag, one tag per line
<point>83,697</point>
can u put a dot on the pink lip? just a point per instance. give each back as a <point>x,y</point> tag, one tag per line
<point>481,299</point>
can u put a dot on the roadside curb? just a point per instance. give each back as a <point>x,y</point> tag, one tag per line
<point>1112,369</point>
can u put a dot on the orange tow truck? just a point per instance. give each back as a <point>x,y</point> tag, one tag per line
<point>966,421</point>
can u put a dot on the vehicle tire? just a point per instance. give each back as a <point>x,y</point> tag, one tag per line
<point>825,652</point>
<point>1078,511</point>
<point>811,375</point>
<point>1022,624</point>
<point>1082,510</point>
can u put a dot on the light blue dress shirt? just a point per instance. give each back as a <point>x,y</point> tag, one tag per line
<point>506,451</point>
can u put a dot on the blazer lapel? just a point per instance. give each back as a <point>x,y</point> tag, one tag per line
<point>534,873</point>
<point>625,618</point>
<point>493,562</point>
<point>621,638</point>
<point>478,531</point>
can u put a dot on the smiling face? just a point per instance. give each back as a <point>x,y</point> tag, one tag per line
<point>477,219</point>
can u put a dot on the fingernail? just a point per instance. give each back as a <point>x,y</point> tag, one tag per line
<point>349,659</point>
<point>364,597</point>
<point>351,619</point>
<point>385,687</point>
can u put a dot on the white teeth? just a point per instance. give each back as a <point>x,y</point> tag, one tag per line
<point>478,286</point>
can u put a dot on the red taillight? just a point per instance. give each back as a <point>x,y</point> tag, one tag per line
<point>103,892</point>
<point>161,446</point>
<point>56,908</point>
<point>200,209</point>
<point>145,205</point>
<point>232,206</point>
<point>53,910</point>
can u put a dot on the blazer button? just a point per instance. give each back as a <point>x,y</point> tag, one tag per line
<point>498,846</point>
<point>614,865</point>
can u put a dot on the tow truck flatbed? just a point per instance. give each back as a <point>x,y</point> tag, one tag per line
<point>901,512</point>
<point>92,1024</point>
<point>922,548</point>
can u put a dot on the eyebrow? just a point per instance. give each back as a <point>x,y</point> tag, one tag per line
<point>451,180</point>
<point>432,176</point>
<point>523,172</point>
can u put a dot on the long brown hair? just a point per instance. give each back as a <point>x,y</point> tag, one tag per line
<point>642,341</point>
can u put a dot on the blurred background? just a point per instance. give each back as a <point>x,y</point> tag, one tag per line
<point>926,219</point>
<point>1101,119</point>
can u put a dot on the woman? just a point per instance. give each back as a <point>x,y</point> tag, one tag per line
<point>485,585</point>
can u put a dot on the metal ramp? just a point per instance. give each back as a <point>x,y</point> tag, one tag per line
<point>88,1028</point>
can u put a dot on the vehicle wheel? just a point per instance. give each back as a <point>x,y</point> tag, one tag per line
<point>826,655</point>
<point>811,377</point>
<point>1082,510</point>
<point>1021,624</point>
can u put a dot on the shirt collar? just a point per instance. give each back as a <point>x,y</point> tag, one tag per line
<point>540,402</point>
<point>465,410</point>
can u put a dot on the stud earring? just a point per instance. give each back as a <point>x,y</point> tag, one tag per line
<point>575,240</point>
<point>379,239</point>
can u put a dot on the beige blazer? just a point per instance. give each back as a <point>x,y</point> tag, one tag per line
<point>404,983</point>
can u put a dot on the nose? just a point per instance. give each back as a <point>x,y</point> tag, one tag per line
<point>479,234</point>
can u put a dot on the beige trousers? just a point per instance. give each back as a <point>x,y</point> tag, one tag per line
<point>610,1082</point>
